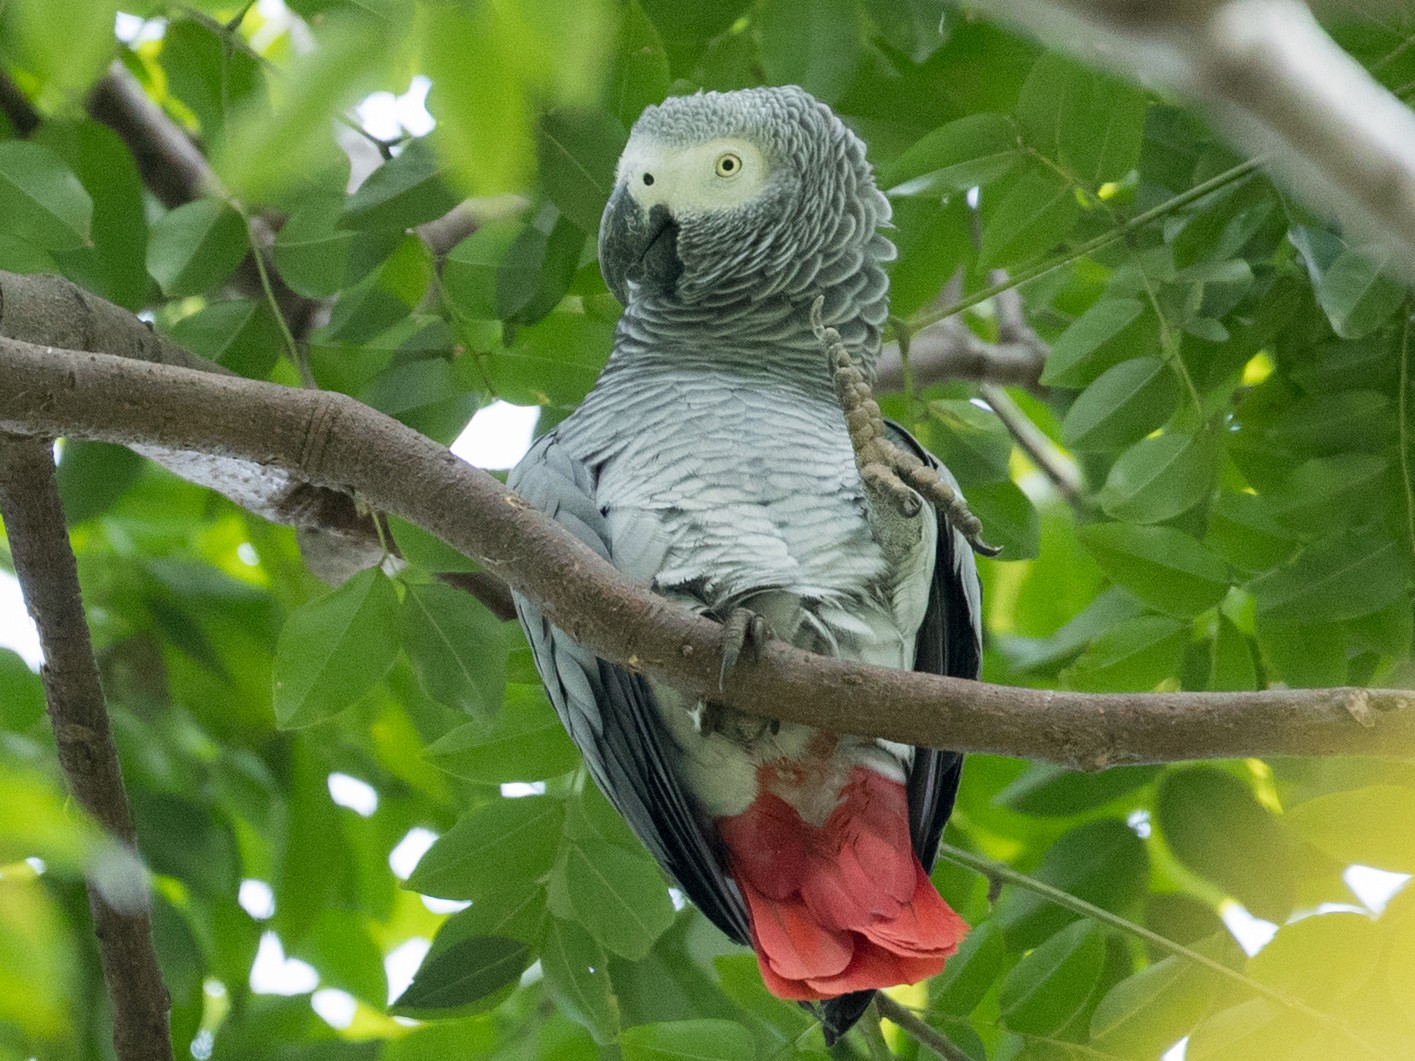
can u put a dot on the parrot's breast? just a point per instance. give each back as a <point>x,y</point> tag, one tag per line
<point>721,491</point>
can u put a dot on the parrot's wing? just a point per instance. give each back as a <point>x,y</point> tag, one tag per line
<point>950,642</point>
<point>610,712</point>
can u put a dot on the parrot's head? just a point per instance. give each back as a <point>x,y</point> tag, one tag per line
<point>721,196</point>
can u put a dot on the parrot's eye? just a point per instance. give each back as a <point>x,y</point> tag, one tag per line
<point>648,178</point>
<point>728,165</point>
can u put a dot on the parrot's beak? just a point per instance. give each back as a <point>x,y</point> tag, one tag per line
<point>638,246</point>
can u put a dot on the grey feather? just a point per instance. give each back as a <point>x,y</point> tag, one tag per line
<point>711,463</point>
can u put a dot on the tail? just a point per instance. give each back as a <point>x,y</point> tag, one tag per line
<point>838,1015</point>
<point>843,907</point>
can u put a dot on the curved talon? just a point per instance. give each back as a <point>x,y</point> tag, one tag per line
<point>743,631</point>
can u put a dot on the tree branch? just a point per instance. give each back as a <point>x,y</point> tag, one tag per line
<point>48,576</point>
<point>332,441</point>
<point>1276,82</point>
<point>948,351</point>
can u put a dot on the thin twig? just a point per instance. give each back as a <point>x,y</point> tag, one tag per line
<point>1050,461</point>
<point>914,1025</point>
<point>995,871</point>
<point>1049,265</point>
<point>48,576</point>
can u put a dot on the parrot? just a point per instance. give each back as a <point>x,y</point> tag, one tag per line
<point>714,463</point>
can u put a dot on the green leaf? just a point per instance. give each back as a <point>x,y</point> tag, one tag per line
<point>1102,862</point>
<point>115,266</point>
<point>577,979</point>
<point>640,76</point>
<point>405,191</point>
<point>1356,295</point>
<point>426,550</point>
<point>934,239</point>
<point>1326,491</point>
<point>266,150</point>
<point>40,198</point>
<point>955,157</point>
<point>553,362</point>
<point>972,442</point>
<point>1048,791</point>
<point>1326,424</point>
<point>500,841</point>
<point>811,43</point>
<point>525,743</point>
<point>1010,521</point>
<point>578,152</point>
<point>1163,566</point>
<point>1372,826</point>
<point>341,946</point>
<point>21,694</point>
<point>241,334</point>
<point>478,277</point>
<point>311,250</point>
<point>1320,960</point>
<point>196,246</point>
<point>1123,405</point>
<point>1159,478</point>
<point>1093,342</point>
<point>687,1040</point>
<point>1304,655</point>
<point>66,54</point>
<point>1089,122</point>
<point>1354,575</point>
<point>384,298</point>
<point>455,645</point>
<point>1145,1014</point>
<point>1026,216</point>
<point>470,971</point>
<point>1243,531</point>
<point>92,476</point>
<point>1232,666</point>
<point>334,649</point>
<point>1044,991</point>
<point>1133,654</point>
<point>618,896</point>
<point>1216,827</point>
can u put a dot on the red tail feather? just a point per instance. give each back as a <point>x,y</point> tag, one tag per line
<point>844,906</point>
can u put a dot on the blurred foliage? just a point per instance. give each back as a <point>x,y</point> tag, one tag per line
<point>1232,378</point>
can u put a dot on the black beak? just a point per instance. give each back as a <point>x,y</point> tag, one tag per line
<point>638,246</point>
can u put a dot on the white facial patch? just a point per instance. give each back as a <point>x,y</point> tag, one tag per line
<point>718,175</point>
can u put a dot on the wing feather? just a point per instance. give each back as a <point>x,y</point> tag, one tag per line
<point>610,712</point>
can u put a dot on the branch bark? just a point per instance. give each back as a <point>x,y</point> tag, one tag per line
<point>948,351</point>
<point>332,441</point>
<point>48,576</point>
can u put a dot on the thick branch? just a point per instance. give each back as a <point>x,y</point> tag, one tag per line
<point>337,538</point>
<point>333,441</point>
<point>48,575</point>
<point>1276,82</point>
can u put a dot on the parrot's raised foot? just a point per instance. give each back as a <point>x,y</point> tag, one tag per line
<point>744,635</point>
<point>890,474</point>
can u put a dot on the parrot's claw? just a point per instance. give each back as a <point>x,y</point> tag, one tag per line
<point>890,474</point>
<point>744,635</point>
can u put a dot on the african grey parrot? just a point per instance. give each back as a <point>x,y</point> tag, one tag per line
<point>712,463</point>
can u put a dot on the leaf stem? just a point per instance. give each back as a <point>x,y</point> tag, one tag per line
<point>997,871</point>
<point>914,1025</point>
<point>1042,268</point>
